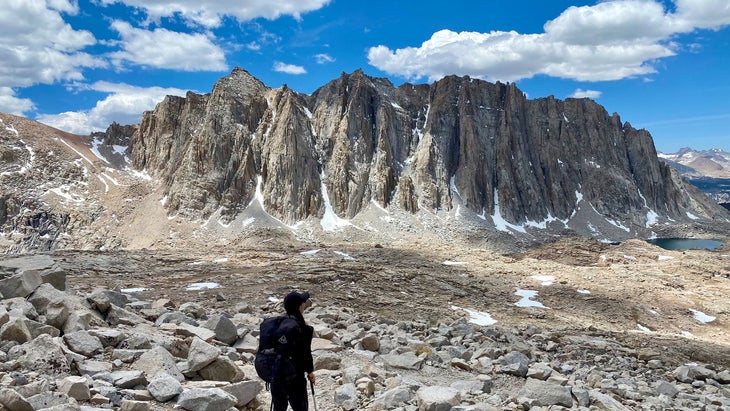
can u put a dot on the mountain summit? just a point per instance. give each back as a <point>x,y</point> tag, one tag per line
<point>460,156</point>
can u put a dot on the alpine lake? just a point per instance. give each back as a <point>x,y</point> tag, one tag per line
<point>679,244</point>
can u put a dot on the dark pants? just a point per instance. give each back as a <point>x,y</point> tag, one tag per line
<point>293,392</point>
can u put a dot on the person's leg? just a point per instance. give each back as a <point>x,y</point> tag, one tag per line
<point>298,395</point>
<point>279,396</point>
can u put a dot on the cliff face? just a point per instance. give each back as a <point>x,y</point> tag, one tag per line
<point>459,142</point>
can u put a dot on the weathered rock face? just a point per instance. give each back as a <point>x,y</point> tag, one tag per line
<point>359,139</point>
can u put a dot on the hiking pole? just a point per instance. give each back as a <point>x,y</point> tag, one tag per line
<point>314,400</point>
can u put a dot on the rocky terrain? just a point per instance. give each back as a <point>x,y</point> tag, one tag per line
<point>572,325</point>
<point>467,249</point>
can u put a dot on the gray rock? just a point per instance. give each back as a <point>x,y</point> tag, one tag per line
<point>187,330</point>
<point>163,387</point>
<point>244,391</point>
<point>201,354</point>
<point>723,377</point>
<point>391,399</point>
<point>157,360</point>
<point>131,405</point>
<point>206,399</point>
<point>514,363</point>
<point>21,284</point>
<point>16,329</point>
<point>4,316</point>
<point>193,309</point>
<point>539,371</point>
<point>109,337</point>
<point>83,343</point>
<point>326,361</point>
<point>102,300</point>
<point>248,344</point>
<point>370,342</point>
<point>222,369</point>
<point>174,317</point>
<point>49,399</point>
<point>540,393</point>
<point>346,396</point>
<point>117,315</point>
<point>57,313</point>
<point>127,356</point>
<point>13,401</point>
<point>91,367</point>
<point>437,398</point>
<point>473,387</point>
<point>690,373</point>
<point>225,331</point>
<point>44,295</point>
<point>127,379</point>
<point>666,388</point>
<point>407,361</point>
<point>606,402</point>
<point>44,355</point>
<point>75,387</point>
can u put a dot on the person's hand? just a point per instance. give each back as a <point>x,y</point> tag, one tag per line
<point>312,378</point>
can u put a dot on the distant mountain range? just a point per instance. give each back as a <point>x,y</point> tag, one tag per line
<point>708,170</point>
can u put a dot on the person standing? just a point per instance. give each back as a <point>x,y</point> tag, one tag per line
<point>293,391</point>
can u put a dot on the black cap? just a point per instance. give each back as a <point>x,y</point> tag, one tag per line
<point>293,300</point>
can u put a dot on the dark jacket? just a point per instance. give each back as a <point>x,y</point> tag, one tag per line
<point>301,335</point>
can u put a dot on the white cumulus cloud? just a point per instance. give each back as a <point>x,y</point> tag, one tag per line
<point>289,68</point>
<point>10,103</point>
<point>580,93</point>
<point>124,104</point>
<point>38,46</point>
<point>211,13</point>
<point>611,40</point>
<point>162,48</point>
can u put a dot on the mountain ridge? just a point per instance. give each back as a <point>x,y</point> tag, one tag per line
<point>359,160</point>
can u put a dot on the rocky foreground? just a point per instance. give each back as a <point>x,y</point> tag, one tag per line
<point>97,348</point>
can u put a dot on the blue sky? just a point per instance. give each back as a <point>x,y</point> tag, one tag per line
<point>81,64</point>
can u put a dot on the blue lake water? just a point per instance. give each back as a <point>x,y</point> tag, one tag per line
<point>678,244</point>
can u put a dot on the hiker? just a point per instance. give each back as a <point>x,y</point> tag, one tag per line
<point>294,390</point>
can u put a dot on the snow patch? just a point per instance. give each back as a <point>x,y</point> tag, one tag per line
<point>310,252</point>
<point>221,260</point>
<point>447,262</point>
<point>642,328</point>
<point>143,175</point>
<point>527,299</point>
<point>273,300</point>
<point>584,292</point>
<point>74,150</point>
<point>202,286</point>
<point>499,222</point>
<point>247,222</point>
<point>692,216</point>
<point>618,224</point>
<point>665,257</point>
<point>133,290</point>
<point>345,255</point>
<point>702,317</point>
<point>477,317</point>
<point>330,221</point>
<point>375,203</point>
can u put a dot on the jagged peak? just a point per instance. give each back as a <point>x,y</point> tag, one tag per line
<point>240,80</point>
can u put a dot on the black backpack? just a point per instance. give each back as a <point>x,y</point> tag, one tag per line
<point>273,360</point>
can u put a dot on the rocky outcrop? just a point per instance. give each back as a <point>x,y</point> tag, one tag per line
<point>457,142</point>
<point>362,362</point>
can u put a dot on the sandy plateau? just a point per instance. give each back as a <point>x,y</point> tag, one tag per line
<point>639,294</point>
